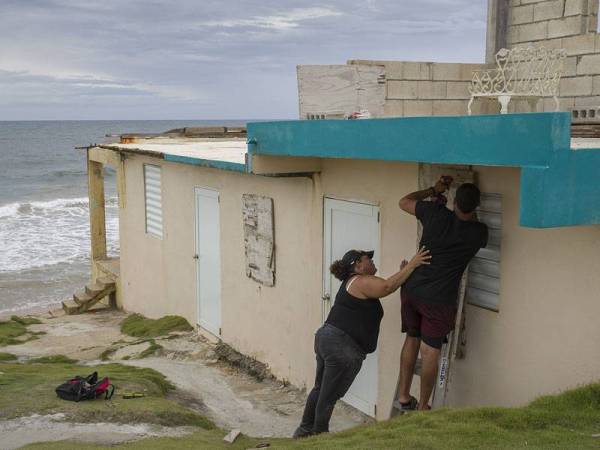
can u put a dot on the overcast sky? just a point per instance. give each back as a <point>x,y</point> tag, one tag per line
<point>207,59</point>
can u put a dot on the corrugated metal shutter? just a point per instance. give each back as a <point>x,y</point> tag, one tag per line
<point>483,287</point>
<point>153,198</point>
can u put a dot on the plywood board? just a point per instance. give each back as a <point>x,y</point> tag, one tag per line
<point>339,90</point>
<point>259,242</point>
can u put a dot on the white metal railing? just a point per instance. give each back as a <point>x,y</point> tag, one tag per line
<point>523,72</point>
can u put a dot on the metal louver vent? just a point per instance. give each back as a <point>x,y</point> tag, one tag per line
<point>483,287</point>
<point>153,198</point>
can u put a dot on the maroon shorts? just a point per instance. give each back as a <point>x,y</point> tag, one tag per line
<point>429,321</point>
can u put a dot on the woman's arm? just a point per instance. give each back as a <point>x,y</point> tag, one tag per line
<point>370,286</point>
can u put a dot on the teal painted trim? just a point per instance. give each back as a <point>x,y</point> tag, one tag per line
<point>559,186</point>
<point>215,164</point>
<point>498,140</point>
<point>567,193</point>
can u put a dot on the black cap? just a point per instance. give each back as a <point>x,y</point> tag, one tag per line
<point>352,256</point>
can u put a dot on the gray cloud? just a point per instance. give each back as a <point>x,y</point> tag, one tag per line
<point>211,59</point>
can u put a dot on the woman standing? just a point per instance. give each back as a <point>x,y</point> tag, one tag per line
<point>350,332</point>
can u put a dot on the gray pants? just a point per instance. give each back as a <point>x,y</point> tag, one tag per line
<point>339,360</point>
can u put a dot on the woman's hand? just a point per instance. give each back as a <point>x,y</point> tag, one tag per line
<point>422,257</point>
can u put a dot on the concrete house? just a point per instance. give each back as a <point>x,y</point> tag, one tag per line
<point>236,233</point>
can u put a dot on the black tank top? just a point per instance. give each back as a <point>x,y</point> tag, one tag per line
<point>359,318</point>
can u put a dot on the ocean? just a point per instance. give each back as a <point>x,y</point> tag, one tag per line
<point>44,221</point>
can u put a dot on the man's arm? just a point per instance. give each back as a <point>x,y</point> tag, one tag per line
<point>408,203</point>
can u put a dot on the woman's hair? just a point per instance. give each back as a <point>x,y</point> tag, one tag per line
<point>340,270</point>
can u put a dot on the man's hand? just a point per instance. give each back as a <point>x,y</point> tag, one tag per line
<point>443,184</point>
<point>408,203</point>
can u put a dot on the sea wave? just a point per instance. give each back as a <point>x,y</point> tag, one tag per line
<point>45,233</point>
<point>20,208</point>
<point>67,173</point>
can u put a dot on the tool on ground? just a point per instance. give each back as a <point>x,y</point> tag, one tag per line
<point>133,395</point>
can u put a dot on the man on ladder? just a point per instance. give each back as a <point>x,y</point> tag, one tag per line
<point>429,296</point>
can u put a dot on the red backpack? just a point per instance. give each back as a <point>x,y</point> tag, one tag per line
<point>85,388</point>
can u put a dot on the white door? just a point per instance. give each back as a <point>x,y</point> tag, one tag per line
<point>351,225</point>
<point>208,260</point>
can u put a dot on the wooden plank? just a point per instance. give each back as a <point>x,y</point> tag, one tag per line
<point>257,213</point>
<point>70,307</point>
<point>81,298</point>
<point>339,90</point>
<point>114,159</point>
<point>121,182</point>
<point>105,156</point>
<point>97,209</point>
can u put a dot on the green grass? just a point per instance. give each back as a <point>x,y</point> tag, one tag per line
<point>15,328</point>
<point>52,359</point>
<point>154,347</point>
<point>28,389</point>
<point>25,320</point>
<point>139,326</point>
<point>200,440</point>
<point>151,350</point>
<point>7,356</point>
<point>105,355</point>
<point>565,421</point>
<point>9,330</point>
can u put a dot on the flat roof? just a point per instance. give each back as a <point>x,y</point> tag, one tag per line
<point>227,154</point>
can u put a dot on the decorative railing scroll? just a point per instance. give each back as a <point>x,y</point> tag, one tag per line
<point>530,72</point>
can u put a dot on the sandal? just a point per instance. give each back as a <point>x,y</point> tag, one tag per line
<point>411,405</point>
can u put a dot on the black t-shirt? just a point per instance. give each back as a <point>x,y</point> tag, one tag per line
<point>452,243</point>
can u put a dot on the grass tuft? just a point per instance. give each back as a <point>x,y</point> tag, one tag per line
<point>154,347</point>
<point>7,356</point>
<point>52,359</point>
<point>105,355</point>
<point>139,326</point>
<point>9,331</point>
<point>25,320</point>
<point>28,390</point>
<point>15,328</point>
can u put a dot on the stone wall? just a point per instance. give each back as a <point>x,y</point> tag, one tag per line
<point>568,24</point>
<point>426,88</point>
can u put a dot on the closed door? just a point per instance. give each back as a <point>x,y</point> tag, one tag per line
<point>351,225</point>
<point>208,260</point>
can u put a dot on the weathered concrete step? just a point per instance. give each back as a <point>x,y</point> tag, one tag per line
<point>70,307</point>
<point>93,293</point>
<point>81,298</point>
<point>94,289</point>
<point>106,281</point>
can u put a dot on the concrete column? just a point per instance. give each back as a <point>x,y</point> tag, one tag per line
<point>97,206</point>
<point>497,28</point>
